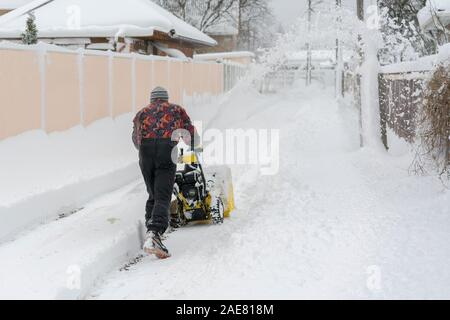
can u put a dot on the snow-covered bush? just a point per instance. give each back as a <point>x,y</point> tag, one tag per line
<point>328,24</point>
<point>400,40</point>
<point>403,38</point>
<point>434,122</point>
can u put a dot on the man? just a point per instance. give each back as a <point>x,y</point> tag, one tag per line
<point>154,127</point>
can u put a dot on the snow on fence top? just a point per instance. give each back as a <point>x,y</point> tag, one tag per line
<point>224,55</point>
<point>99,18</point>
<point>423,64</point>
<point>440,8</point>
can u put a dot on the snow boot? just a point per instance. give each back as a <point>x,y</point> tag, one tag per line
<point>153,245</point>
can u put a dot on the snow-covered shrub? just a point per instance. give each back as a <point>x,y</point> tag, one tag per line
<point>400,40</point>
<point>403,38</point>
<point>328,24</point>
<point>434,122</point>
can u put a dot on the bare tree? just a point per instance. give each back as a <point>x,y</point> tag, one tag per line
<point>256,24</point>
<point>203,14</point>
<point>253,19</point>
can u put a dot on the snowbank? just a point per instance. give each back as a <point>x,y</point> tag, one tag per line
<point>44,176</point>
<point>63,259</point>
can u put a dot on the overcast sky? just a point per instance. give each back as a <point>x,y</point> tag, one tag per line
<point>288,10</point>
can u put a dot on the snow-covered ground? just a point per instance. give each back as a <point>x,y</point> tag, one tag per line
<point>44,176</point>
<point>336,221</point>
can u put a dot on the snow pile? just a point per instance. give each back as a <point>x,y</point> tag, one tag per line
<point>44,176</point>
<point>64,258</point>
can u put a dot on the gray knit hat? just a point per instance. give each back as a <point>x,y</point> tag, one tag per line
<point>159,94</point>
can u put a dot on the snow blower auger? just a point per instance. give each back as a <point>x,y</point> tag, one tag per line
<point>201,195</point>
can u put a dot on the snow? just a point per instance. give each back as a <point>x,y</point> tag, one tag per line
<point>41,264</point>
<point>440,7</point>
<point>47,175</point>
<point>423,64</point>
<point>171,52</point>
<point>100,46</point>
<point>323,55</point>
<point>13,4</point>
<point>444,53</point>
<point>336,222</point>
<point>224,55</point>
<point>100,18</point>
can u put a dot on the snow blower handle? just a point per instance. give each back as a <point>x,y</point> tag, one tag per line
<point>197,149</point>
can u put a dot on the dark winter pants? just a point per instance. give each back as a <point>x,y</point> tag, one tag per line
<point>158,170</point>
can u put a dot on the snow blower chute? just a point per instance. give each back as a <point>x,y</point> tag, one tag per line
<point>201,195</point>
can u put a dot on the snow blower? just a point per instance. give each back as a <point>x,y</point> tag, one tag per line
<point>200,195</point>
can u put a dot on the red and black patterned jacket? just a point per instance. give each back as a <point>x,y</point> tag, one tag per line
<point>159,120</point>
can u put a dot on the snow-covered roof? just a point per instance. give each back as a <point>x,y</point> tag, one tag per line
<point>99,18</point>
<point>12,4</point>
<point>224,55</point>
<point>439,8</point>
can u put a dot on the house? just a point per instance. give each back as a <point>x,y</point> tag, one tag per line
<point>9,5</point>
<point>225,33</point>
<point>122,26</point>
<point>434,19</point>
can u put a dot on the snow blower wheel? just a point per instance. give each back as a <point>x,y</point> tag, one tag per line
<point>217,211</point>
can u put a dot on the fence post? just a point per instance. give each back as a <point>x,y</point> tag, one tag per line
<point>359,106</point>
<point>133,83</point>
<point>110,84</point>
<point>81,81</point>
<point>42,58</point>
<point>383,109</point>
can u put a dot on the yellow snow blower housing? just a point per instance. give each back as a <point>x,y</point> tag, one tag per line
<point>200,195</point>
